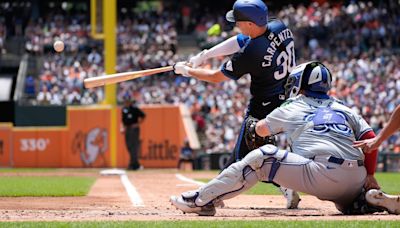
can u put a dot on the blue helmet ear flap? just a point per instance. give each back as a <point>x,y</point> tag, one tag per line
<point>317,80</point>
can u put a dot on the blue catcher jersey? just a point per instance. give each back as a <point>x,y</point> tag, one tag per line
<point>268,58</point>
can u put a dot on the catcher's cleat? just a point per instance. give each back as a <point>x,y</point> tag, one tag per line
<point>219,203</point>
<point>292,197</point>
<point>188,206</point>
<point>388,202</point>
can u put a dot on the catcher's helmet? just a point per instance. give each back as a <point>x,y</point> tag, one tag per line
<point>249,10</point>
<point>312,77</point>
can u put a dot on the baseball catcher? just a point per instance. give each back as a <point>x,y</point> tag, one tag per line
<point>323,162</point>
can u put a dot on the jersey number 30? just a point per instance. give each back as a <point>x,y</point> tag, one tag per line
<point>285,62</point>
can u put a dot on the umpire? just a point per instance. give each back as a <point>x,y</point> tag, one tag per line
<point>132,116</point>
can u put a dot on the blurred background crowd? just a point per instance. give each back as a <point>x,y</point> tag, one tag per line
<point>358,41</point>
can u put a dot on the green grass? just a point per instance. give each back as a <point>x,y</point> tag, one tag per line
<point>45,186</point>
<point>208,224</point>
<point>389,183</point>
<point>47,170</point>
<point>25,170</point>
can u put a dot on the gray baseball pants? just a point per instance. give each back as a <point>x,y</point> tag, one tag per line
<point>326,177</point>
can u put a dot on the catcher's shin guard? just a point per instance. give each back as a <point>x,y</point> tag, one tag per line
<point>240,176</point>
<point>231,182</point>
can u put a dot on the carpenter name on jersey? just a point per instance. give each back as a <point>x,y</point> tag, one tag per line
<point>276,41</point>
<point>268,59</point>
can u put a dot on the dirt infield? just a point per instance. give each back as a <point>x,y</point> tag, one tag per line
<point>108,200</point>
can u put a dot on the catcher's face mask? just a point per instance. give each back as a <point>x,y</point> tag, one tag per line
<point>293,83</point>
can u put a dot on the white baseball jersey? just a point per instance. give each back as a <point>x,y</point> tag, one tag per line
<point>319,127</point>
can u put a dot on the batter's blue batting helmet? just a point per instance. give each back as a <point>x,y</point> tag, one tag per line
<point>249,10</point>
<point>312,77</point>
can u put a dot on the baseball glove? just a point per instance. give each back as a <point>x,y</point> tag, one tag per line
<point>254,141</point>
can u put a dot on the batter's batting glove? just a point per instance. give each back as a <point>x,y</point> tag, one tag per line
<point>198,59</point>
<point>181,68</point>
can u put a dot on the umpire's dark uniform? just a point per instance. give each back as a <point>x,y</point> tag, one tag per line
<point>131,117</point>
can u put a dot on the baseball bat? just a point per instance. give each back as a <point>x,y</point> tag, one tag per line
<point>121,77</point>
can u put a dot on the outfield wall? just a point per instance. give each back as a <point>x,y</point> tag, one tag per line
<point>85,140</point>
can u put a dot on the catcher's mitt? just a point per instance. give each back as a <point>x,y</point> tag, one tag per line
<point>254,141</point>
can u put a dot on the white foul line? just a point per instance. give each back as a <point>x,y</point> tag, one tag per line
<point>132,192</point>
<point>183,178</point>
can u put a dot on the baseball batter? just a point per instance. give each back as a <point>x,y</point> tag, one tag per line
<point>324,163</point>
<point>265,51</point>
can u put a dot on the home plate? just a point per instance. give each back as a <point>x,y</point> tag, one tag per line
<point>113,172</point>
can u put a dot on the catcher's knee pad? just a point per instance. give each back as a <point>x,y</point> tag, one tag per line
<point>256,158</point>
<point>272,154</point>
<point>237,178</point>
